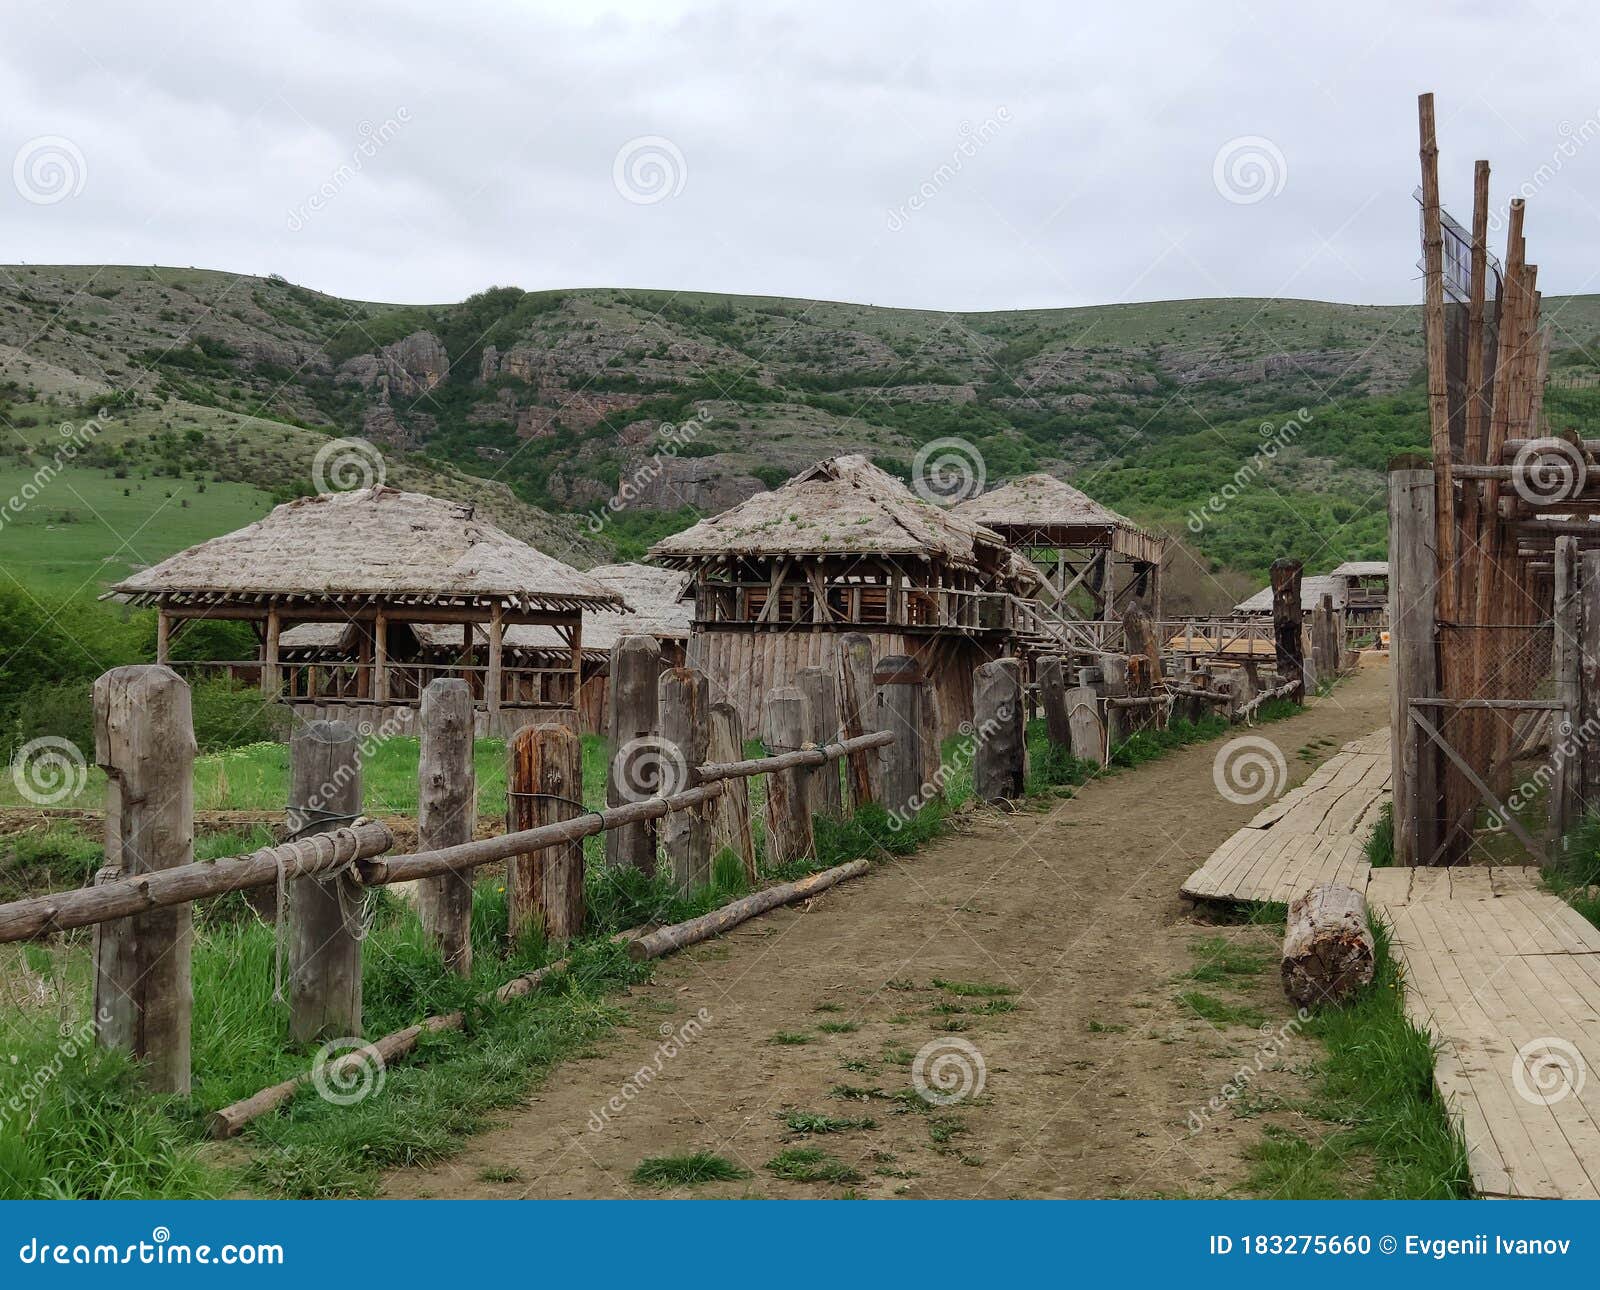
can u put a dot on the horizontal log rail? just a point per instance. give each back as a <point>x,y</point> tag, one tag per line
<point>361,847</point>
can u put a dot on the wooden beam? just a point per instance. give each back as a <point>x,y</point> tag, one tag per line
<point>1438,380</point>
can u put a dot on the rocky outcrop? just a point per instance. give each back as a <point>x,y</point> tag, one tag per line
<point>925,393</point>
<point>1190,367</point>
<point>407,368</point>
<point>575,411</point>
<point>657,482</point>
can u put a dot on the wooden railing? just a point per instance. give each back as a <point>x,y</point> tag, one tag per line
<point>403,682</point>
<point>847,601</point>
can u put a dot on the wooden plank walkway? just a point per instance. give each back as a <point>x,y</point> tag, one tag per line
<point>1507,978</point>
<point>1314,833</point>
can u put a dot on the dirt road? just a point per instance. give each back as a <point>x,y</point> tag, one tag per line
<point>1090,1066</point>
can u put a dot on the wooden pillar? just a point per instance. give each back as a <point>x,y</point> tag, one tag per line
<point>900,695</point>
<point>1087,731</point>
<point>1053,695</point>
<point>785,718</point>
<point>271,673</point>
<point>1589,655</point>
<point>325,925</point>
<point>1414,660</point>
<point>999,769</point>
<point>635,669</point>
<point>731,814</point>
<point>684,697</point>
<point>544,785</point>
<point>493,686</point>
<point>816,683</point>
<point>143,995</point>
<point>858,716</point>
<point>1565,742</point>
<point>163,637</point>
<point>447,813</point>
<point>1433,332</point>
<point>1287,625</point>
<point>1114,670</point>
<point>380,658</point>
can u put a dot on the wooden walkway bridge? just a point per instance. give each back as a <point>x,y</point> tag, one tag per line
<point>1504,974</point>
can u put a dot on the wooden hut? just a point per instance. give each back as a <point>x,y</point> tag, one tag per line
<point>845,547</point>
<point>1076,542</point>
<point>365,584</point>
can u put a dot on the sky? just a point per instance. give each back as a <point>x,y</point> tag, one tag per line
<point>945,156</point>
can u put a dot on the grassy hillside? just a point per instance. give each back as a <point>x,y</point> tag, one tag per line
<point>538,405</point>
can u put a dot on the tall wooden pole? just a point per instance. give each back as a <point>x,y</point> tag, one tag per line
<point>1287,634</point>
<point>858,715</point>
<point>1438,378</point>
<point>325,927</point>
<point>900,697</point>
<point>545,786</point>
<point>144,741</point>
<point>785,718</point>
<point>817,684</point>
<point>1565,740</point>
<point>684,696</point>
<point>447,812</point>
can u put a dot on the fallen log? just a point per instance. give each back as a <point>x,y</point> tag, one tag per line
<point>664,940</point>
<point>1327,949</point>
<point>1248,710</point>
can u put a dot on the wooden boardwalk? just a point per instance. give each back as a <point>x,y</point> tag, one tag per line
<point>1507,978</point>
<point>1314,833</point>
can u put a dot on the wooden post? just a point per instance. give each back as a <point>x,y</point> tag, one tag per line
<point>1412,575</point>
<point>999,770</point>
<point>544,785</point>
<point>932,745</point>
<point>1286,624</point>
<point>785,718</point>
<point>685,702</point>
<point>325,910</point>
<point>1083,718</point>
<point>857,716</point>
<point>1114,669</point>
<point>380,658</point>
<point>1053,695</point>
<point>1140,638</point>
<point>635,669</point>
<point>1589,655</point>
<point>1444,537</point>
<point>447,813</point>
<point>144,741</point>
<point>163,637</point>
<point>899,682</point>
<point>271,673</point>
<point>731,815</point>
<point>1565,742</point>
<point>817,685</point>
<point>492,683</point>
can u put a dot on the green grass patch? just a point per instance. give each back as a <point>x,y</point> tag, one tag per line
<point>838,1027</point>
<point>1223,961</point>
<point>1219,1012</point>
<point>811,1165</point>
<point>811,1122</point>
<point>790,1038</point>
<point>972,989</point>
<point>692,1170</point>
<point>1380,842</point>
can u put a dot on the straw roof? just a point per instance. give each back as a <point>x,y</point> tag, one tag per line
<point>842,506</point>
<point>1361,569</point>
<point>1313,588</point>
<point>374,543</point>
<point>1039,501</point>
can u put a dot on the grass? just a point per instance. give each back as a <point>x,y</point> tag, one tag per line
<point>811,1122</point>
<point>790,1038</point>
<point>1576,874</point>
<point>1380,842</point>
<point>1388,1136</point>
<point>1219,1012</point>
<point>811,1165</point>
<point>1225,962</point>
<point>972,989</point>
<point>692,1170</point>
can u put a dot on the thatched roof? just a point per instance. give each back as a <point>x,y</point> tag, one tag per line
<point>372,544</point>
<point>842,506</point>
<point>1313,587</point>
<point>1035,506</point>
<point>1361,569</point>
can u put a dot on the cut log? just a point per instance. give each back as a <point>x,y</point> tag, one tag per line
<point>1327,950</point>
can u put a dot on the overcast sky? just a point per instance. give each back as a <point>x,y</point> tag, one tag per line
<point>957,156</point>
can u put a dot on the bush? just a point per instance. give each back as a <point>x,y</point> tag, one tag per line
<point>229,716</point>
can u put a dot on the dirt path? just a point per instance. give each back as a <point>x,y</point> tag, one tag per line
<point>1089,1080</point>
